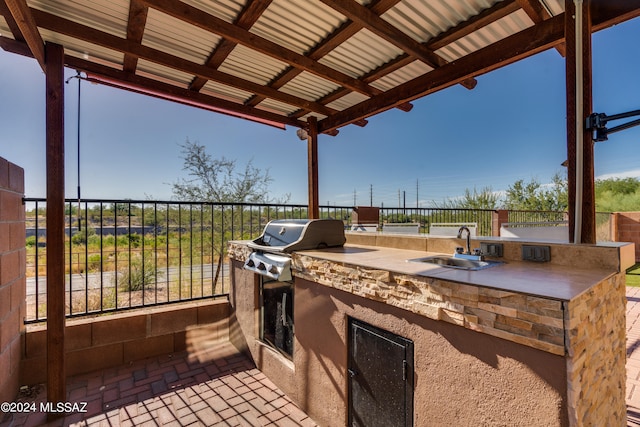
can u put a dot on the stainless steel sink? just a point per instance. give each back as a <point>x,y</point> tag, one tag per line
<point>459,263</point>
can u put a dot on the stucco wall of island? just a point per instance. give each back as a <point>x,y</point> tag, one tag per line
<point>520,344</point>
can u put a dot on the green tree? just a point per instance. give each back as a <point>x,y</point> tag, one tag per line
<point>486,198</point>
<point>534,196</point>
<point>218,180</point>
<point>617,195</point>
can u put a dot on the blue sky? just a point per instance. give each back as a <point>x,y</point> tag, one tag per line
<point>510,127</point>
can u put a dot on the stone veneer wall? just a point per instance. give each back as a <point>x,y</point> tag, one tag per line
<point>12,277</point>
<point>596,359</point>
<point>528,320</point>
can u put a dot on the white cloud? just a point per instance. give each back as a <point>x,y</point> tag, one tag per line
<point>635,173</point>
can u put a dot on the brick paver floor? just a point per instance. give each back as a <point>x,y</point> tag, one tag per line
<point>633,357</point>
<point>216,387</point>
<point>221,387</point>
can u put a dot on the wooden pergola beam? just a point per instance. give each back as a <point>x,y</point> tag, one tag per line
<point>374,23</point>
<point>135,30</point>
<point>73,29</point>
<point>56,377</point>
<point>207,22</point>
<point>537,13</point>
<point>249,15</point>
<point>29,30</point>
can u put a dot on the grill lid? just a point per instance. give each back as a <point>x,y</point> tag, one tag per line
<point>288,235</point>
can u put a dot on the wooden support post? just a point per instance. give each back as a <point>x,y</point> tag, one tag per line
<point>580,168</point>
<point>56,387</point>
<point>312,154</point>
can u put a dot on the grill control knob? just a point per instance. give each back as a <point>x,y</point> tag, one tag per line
<point>273,269</point>
<point>250,263</point>
<point>261,266</point>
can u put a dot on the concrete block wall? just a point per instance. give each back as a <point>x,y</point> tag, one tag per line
<point>12,277</point>
<point>96,343</point>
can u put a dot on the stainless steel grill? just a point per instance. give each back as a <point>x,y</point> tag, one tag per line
<point>270,256</point>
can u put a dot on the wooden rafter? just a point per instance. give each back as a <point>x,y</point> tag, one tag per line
<point>15,30</point>
<point>465,28</point>
<point>23,19</point>
<point>335,39</point>
<point>135,30</point>
<point>249,15</point>
<point>537,13</point>
<point>73,29</point>
<point>199,18</point>
<point>374,23</point>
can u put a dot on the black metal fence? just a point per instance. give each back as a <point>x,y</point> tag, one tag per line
<point>122,254</point>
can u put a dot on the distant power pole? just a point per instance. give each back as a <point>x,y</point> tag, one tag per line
<point>417,193</point>
<point>370,194</point>
<point>354,197</point>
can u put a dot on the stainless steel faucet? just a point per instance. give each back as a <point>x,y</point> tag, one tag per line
<point>463,228</point>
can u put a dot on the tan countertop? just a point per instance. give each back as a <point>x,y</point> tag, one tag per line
<point>545,280</point>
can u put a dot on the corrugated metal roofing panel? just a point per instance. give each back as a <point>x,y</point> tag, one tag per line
<point>226,92</point>
<point>251,65</point>
<point>277,107</point>
<point>84,50</point>
<point>555,7</point>
<point>297,25</point>
<point>318,116</point>
<point>491,33</point>
<point>360,54</point>
<point>166,74</point>
<point>309,86</point>
<point>402,75</point>
<point>223,9</point>
<point>4,28</point>
<point>347,101</point>
<point>424,19</point>
<point>164,32</point>
<point>110,16</point>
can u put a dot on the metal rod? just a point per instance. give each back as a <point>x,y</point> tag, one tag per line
<point>624,126</point>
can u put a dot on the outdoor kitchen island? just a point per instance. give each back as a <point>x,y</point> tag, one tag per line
<point>523,343</point>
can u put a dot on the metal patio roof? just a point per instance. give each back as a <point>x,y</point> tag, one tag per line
<point>282,61</point>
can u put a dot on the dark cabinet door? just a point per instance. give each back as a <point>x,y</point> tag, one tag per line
<point>380,369</point>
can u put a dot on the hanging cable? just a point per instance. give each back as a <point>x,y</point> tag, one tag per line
<point>79,77</point>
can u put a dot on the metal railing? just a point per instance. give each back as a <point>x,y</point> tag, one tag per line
<point>427,216</point>
<point>123,254</point>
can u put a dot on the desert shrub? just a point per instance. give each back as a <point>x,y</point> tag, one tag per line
<point>141,273</point>
<point>94,262</point>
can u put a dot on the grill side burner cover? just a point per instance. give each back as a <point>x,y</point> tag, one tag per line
<point>288,235</point>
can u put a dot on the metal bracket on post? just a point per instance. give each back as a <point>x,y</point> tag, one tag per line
<point>597,124</point>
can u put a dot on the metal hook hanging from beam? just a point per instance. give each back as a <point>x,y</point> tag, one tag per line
<point>597,123</point>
